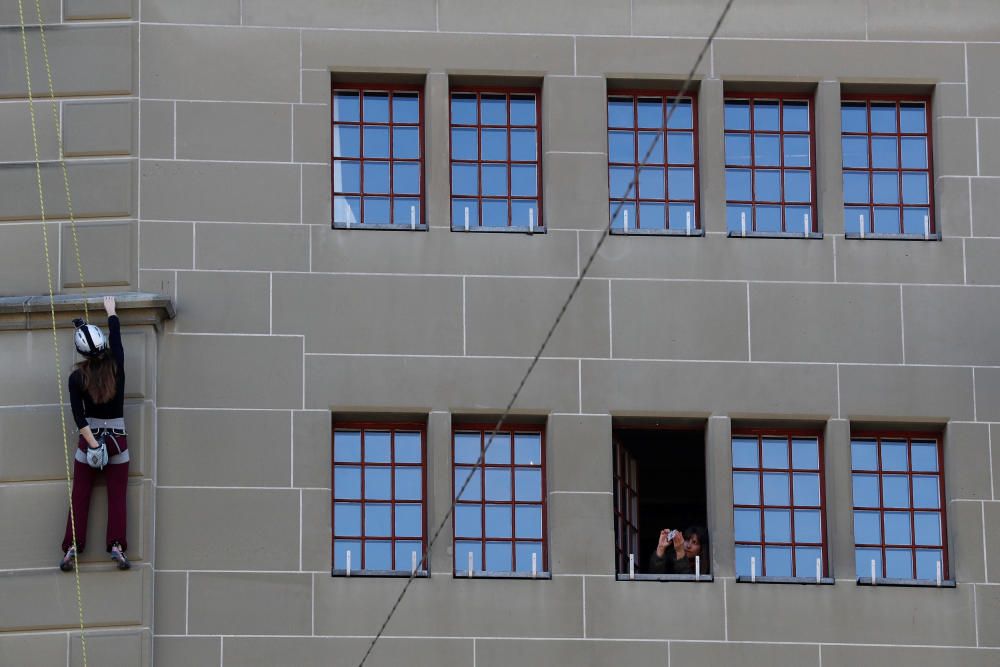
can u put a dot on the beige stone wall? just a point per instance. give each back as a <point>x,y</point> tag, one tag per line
<point>197,140</point>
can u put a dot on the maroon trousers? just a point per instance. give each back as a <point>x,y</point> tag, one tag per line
<point>116,477</point>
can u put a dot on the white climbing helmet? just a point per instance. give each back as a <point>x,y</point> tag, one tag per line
<point>89,339</point>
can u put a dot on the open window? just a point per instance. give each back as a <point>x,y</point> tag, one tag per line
<point>659,483</point>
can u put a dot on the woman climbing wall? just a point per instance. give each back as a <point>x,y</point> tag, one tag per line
<point>97,394</point>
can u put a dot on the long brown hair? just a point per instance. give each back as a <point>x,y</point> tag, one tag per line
<point>98,375</point>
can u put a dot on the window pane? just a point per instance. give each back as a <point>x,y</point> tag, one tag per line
<point>777,526</point>
<point>926,492</point>
<point>806,488</point>
<point>796,151</point>
<point>346,106</point>
<point>406,211</point>
<point>795,116</point>
<point>409,520</point>
<point>885,188</point>
<point>529,521</point>
<point>620,180</point>
<point>494,179</point>
<point>472,484</point>
<point>408,484</point>
<point>347,210</point>
<point>897,527</point>
<point>464,213</point>
<point>765,116</point>
<point>498,557</point>
<point>528,448</point>
<point>808,526</point>
<point>883,117</point>
<point>340,551</point>
<point>406,178</point>
<point>855,151</point>
<point>620,112</point>
<point>464,179</point>
<point>744,452</point>
<point>679,111</point>
<point>377,446</point>
<point>376,107</point>
<point>522,109</point>
<point>767,185</point>
<point>347,446</point>
<point>494,144</point>
<point>898,564</point>
<point>927,563</point>
<point>737,115</point>
<point>498,484</point>
<point>495,213</point>
<point>376,141</point>
<point>404,555</point>
<point>768,218</point>
<point>680,148</point>
<point>523,145</point>
<point>863,562</point>
<point>652,182</point>
<point>406,142</point>
<point>346,141</point>
<point>408,446</point>
<point>856,187</point>
<point>523,180</point>
<point>776,488</point>
<point>775,452</point>
<point>524,552</point>
<point>767,150</point>
<point>805,561</point>
<point>378,519</point>
<point>468,447</point>
<point>914,151</point>
<point>498,521</point>
<point>346,176</point>
<point>527,484</point>
<point>681,216</point>
<point>886,220</point>
<point>738,149</point>
<point>464,143</point>
<point>493,109</point>
<point>895,491</point>
<point>884,153</point>
<point>346,482</point>
<point>649,111</point>
<point>405,108</point>
<point>912,117</point>
<point>463,108</point>
<point>797,219</point>
<point>650,149</point>
<point>866,528</point>
<point>378,482</point>
<point>805,453</point>
<point>463,551</point>
<point>916,220</point>
<point>853,117</point>
<point>925,455</point>
<point>346,519</point>
<point>779,561</point>
<point>622,213</point>
<point>652,216</point>
<point>681,182</point>
<point>746,524</point>
<point>524,213</point>
<point>865,490</point>
<point>894,455</point>
<point>914,187</point>
<point>857,219</point>
<point>927,528</point>
<point>738,185</point>
<point>746,488</point>
<point>468,521</point>
<point>376,177</point>
<point>743,556</point>
<point>737,216</point>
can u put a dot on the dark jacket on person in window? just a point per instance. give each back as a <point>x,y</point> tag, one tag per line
<point>670,564</point>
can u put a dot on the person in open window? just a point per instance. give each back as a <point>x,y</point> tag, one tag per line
<point>676,551</point>
<point>97,396</point>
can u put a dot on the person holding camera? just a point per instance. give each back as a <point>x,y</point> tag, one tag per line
<point>676,551</point>
<point>97,396</point>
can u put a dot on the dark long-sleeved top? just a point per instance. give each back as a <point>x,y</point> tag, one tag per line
<point>83,405</point>
<point>670,564</point>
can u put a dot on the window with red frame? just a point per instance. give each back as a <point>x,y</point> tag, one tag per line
<point>899,519</point>
<point>778,509</point>
<point>770,169</point>
<point>626,509</point>
<point>660,155</point>
<point>499,519</point>
<point>377,178</point>
<point>495,160</point>
<point>887,166</point>
<point>378,496</point>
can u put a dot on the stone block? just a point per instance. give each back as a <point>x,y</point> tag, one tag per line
<point>437,150</point>
<point>838,489</point>
<point>988,612</point>
<point>711,156</point>
<point>38,649</point>
<point>156,136</point>
<point>866,261</point>
<point>746,655</point>
<point>217,191</point>
<point>966,460</point>
<point>382,14</point>
<point>39,424</point>
<point>677,388</point>
<point>575,189</point>
<point>585,653</point>
<point>579,449</point>
<point>170,599</point>
<point>929,318</point>
<point>311,441</point>
<point>257,247</point>
<point>186,651</point>
<point>711,258</point>
<point>913,20</point>
<point>39,600</point>
<point>670,320</point>
<point>988,133</point>
<point>98,189</point>
<point>220,302</point>
<point>654,610</point>
<point>315,529</point>
<point>719,494</point>
<point>510,317</point>
<point>250,604</point>
<point>566,16</point>
<point>166,244</point>
<point>99,128</point>
<point>160,282</point>
<point>917,393</point>
<point>215,12</point>
<point>90,10</point>
<point>315,197</point>
<point>625,57</point>
<point>952,212</point>
<point>23,257</point>
<point>359,251</point>
<point>372,51</point>
<point>851,614</point>
<point>248,448</point>
<point>230,529</point>
<point>581,533</point>
<point>955,147</point>
<point>72,51</point>
<point>311,140</point>
<point>125,648</point>
<point>16,143</point>
<point>20,355</point>
<point>965,538</point>
<point>107,251</point>
<point>984,80</point>
<point>316,86</point>
<point>981,265</point>
<point>463,608</point>
<point>140,361</point>
<point>574,111</point>
<point>812,60</point>
<point>813,19</point>
<point>248,65</point>
<point>319,651</point>
<point>985,202</point>
<point>844,655</point>
<point>991,529</point>
<point>949,100</point>
<point>446,383</point>
<point>829,158</point>
<point>832,323</point>
<point>234,131</point>
<point>245,372</point>
<point>373,314</point>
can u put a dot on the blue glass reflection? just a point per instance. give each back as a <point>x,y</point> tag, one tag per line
<point>775,452</point>
<point>680,148</point>
<point>864,455</point>
<point>776,488</point>
<point>621,147</point>
<point>494,144</point>
<point>408,520</point>
<point>346,176</point>
<point>805,453</point>
<point>499,521</point>
<point>738,185</point>
<point>914,188</point>
<point>853,117</point>
<point>522,109</point>
<point>464,213</point>
<point>620,112</point>
<point>527,448</point>
<point>622,212</point>
<point>767,185</point>
<point>649,111</point>
<point>746,488</point>
<point>498,484</point>
<point>927,563</point>
<point>346,519</point>
<point>495,213</point>
<point>680,114</point>
<point>408,484</point>
<point>378,519</point>
<point>926,492</point>
<point>797,219</point>
<point>735,217</point>
<point>527,484</point>
<point>463,550</point>
<point>681,182</point>
<point>652,183</point>
<point>855,151</point>
<point>406,142</point>
<point>737,115</point>
<point>806,488</point>
<point>912,117</point>
<point>406,211</point>
<point>468,521</point>
<point>378,555</point>
<point>856,187</point>
<point>346,141</point>
<point>376,142</point>
<point>346,106</point>
<point>406,178</point>
<point>883,117</point>
<point>779,561</point>
<point>468,447</point>
<point>796,151</point>
<point>493,178</point>
<point>523,145</point>
<point>681,216</point>
<point>493,109</point>
<point>408,447</point>
<point>867,529</point>
<point>405,552</point>
<point>795,116</point>
<point>865,490</point>
<point>898,564</point>
<point>347,210</point>
<point>651,145</point>
<point>464,143</point>
<point>524,551</point>
<point>340,550</point>
<point>885,188</point>
<point>765,116</point>
<point>777,526</point>
<point>523,180</point>
<point>524,213</point>
<point>464,179</point>
<point>895,491</point>
<point>767,150</point>
<point>885,153</point>
<point>499,557</point>
<point>927,528</point>
<point>897,527</point>
<point>925,455</point>
<point>886,220</point>
<point>469,478</point>
<point>743,555</point>
<point>405,108</point>
<point>856,219</point>
<point>620,178</point>
<point>805,561</point>
<point>744,452</point>
<point>798,186</point>
<point>378,482</point>
<point>376,177</point>
<point>346,482</point>
<point>378,445</point>
<point>376,107</point>
<point>738,149</point>
<point>746,525</point>
<point>463,108</point>
<point>863,562</point>
<point>768,219</point>
<point>652,215</point>
<point>914,152</point>
<point>808,526</point>
<point>347,446</point>
<point>529,521</point>
<point>894,455</point>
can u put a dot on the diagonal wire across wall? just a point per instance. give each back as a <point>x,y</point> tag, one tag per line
<point>548,336</point>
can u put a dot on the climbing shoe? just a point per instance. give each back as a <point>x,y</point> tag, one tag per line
<point>118,556</point>
<point>69,560</point>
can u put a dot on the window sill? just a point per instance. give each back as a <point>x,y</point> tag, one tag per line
<point>658,232</point>
<point>911,583</point>
<point>822,581</point>
<point>395,228</point>
<point>503,575</point>
<point>892,237</point>
<point>395,574</point>
<point>499,230</point>
<point>704,578</point>
<point>774,235</point>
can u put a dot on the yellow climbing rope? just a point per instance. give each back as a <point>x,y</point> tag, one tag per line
<point>48,270</point>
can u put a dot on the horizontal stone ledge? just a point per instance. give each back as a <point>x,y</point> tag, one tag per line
<point>27,313</point>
